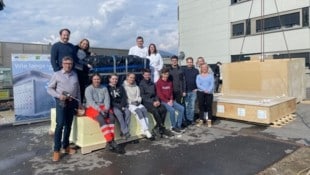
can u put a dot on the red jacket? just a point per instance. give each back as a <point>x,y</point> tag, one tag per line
<point>164,90</point>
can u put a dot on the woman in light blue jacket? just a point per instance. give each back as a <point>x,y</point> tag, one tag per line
<point>205,85</point>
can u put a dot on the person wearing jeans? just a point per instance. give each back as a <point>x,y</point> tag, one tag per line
<point>64,87</point>
<point>190,73</point>
<point>119,104</point>
<point>164,89</point>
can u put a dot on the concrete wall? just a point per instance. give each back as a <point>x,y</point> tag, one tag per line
<point>7,48</point>
<point>297,38</point>
<point>241,11</point>
<point>204,29</point>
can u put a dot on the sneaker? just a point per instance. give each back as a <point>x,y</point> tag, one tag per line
<point>127,135</point>
<point>156,131</point>
<point>148,134</point>
<point>184,125</point>
<point>199,122</point>
<point>182,129</point>
<point>167,132</point>
<point>56,156</point>
<point>177,130</point>
<point>209,123</point>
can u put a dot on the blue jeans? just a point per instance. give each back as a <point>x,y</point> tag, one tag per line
<point>171,109</point>
<point>64,117</point>
<point>190,100</point>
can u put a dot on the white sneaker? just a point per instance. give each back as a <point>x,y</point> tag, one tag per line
<point>147,134</point>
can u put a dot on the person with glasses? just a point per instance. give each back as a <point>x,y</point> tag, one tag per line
<point>64,87</point>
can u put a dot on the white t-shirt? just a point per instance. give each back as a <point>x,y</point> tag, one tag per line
<point>141,52</point>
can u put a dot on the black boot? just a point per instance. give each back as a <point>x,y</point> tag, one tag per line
<point>114,147</point>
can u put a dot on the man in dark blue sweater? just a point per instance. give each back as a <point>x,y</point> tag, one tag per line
<point>61,49</point>
<point>190,73</point>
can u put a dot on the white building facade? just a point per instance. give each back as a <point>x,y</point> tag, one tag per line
<point>232,30</point>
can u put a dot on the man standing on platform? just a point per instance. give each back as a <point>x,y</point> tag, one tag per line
<point>64,87</point>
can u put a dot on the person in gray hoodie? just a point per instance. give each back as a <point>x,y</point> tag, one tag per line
<point>135,106</point>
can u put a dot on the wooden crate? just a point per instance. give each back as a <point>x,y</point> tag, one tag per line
<point>86,133</point>
<point>271,78</point>
<point>253,109</point>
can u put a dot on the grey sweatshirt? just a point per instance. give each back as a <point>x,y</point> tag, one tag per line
<point>97,96</point>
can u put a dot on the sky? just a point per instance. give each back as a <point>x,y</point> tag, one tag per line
<point>106,23</point>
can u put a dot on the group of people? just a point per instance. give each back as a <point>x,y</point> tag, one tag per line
<point>163,90</point>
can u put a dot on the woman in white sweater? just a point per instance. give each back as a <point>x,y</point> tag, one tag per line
<point>135,106</point>
<point>156,62</point>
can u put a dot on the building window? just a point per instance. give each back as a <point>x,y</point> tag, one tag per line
<point>277,22</point>
<point>238,29</point>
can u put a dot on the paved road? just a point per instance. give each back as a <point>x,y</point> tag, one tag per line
<point>227,148</point>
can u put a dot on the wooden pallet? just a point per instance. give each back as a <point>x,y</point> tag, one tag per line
<point>283,121</point>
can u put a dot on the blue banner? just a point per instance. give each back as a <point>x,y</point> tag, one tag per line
<point>31,74</point>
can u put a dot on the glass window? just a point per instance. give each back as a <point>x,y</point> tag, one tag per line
<point>290,20</point>
<point>273,23</point>
<point>238,29</point>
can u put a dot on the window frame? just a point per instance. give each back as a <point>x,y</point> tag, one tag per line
<point>280,25</point>
<point>236,23</point>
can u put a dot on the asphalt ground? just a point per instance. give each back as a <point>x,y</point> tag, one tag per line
<point>229,147</point>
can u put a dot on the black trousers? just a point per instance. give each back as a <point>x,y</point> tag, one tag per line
<point>159,114</point>
<point>205,102</point>
<point>83,82</point>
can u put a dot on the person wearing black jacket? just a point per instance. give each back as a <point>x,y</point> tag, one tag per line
<point>119,104</point>
<point>190,73</point>
<point>153,104</point>
<point>178,80</point>
<point>176,75</point>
